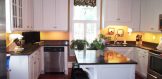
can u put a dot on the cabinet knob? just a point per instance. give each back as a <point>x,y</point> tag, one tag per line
<point>118,19</point>
<point>9,70</point>
<point>152,28</point>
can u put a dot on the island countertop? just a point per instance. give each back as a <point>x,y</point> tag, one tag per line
<point>94,57</point>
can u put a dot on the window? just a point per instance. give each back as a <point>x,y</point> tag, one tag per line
<point>85,22</point>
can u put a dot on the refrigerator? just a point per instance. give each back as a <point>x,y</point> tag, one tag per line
<point>3,69</point>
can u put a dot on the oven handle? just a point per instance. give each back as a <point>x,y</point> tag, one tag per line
<point>152,75</point>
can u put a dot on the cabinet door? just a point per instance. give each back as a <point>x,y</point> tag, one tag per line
<point>25,14</point>
<point>19,67</point>
<point>31,66</point>
<point>150,11</point>
<point>49,13</point>
<point>135,25</point>
<point>117,12</point>
<point>38,14</point>
<point>124,10</point>
<point>111,10</point>
<point>61,17</point>
<point>17,15</point>
<point>142,60</point>
<point>30,15</point>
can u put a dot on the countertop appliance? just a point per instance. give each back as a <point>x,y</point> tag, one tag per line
<point>31,37</point>
<point>56,56</point>
<point>155,65</point>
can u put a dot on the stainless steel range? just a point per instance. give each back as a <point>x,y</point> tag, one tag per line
<point>155,65</point>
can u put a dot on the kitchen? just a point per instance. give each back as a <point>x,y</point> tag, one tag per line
<point>133,27</point>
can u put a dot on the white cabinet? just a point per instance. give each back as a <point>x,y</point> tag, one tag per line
<point>38,14</point>
<point>136,54</point>
<point>142,59</point>
<point>51,15</point>
<point>150,11</point>
<point>121,12</point>
<point>117,12</point>
<point>135,19</point>
<point>127,51</point>
<point>26,66</point>
<point>27,15</point>
<point>19,15</point>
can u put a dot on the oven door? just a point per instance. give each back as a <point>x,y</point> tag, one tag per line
<point>155,66</point>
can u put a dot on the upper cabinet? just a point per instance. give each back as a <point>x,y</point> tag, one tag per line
<point>27,15</point>
<point>51,15</point>
<point>18,13</point>
<point>121,12</point>
<point>150,11</point>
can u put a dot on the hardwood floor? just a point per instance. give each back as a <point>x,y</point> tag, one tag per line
<point>62,76</point>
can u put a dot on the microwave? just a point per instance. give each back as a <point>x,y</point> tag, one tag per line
<point>160,21</point>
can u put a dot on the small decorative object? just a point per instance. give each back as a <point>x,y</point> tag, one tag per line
<point>19,44</point>
<point>79,44</point>
<point>111,31</point>
<point>120,32</point>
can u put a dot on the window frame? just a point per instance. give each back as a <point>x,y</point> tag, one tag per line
<point>85,22</point>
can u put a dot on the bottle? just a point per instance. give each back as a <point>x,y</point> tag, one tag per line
<point>137,39</point>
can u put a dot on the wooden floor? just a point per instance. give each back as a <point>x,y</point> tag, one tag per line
<point>62,76</point>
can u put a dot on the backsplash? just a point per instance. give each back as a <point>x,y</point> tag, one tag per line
<point>54,35</point>
<point>146,36</point>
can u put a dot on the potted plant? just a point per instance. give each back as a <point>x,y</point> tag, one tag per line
<point>97,44</point>
<point>78,44</point>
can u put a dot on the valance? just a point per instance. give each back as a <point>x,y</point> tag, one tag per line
<point>85,3</point>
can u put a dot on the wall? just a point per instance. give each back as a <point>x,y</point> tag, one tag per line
<point>54,35</point>
<point>116,28</point>
<point>146,36</point>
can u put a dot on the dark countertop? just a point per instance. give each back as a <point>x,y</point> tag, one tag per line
<point>55,42</point>
<point>28,50</point>
<point>146,45</point>
<point>92,57</point>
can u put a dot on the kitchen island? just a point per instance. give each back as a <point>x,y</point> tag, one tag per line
<point>107,65</point>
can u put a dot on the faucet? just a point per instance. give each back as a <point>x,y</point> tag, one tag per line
<point>116,38</point>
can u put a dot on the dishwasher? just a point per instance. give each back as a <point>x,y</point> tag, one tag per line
<point>54,59</point>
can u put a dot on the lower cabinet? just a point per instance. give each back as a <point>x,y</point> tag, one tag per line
<point>136,54</point>
<point>26,66</point>
<point>142,59</point>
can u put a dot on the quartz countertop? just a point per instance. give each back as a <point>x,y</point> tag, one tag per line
<point>28,49</point>
<point>93,57</point>
<point>146,45</point>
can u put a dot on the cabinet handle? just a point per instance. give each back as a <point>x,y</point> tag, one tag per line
<point>118,19</point>
<point>9,70</point>
<point>152,28</point>
<point>54,27</point>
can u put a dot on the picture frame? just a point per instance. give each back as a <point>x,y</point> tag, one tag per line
<point>120,32</point>
<point>111,31</point>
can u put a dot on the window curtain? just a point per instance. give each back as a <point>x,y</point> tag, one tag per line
<point>91,3</point>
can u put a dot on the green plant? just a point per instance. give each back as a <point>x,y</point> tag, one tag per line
<point>97,44</point>
<point>79,44</point>
<point>101,36</point>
